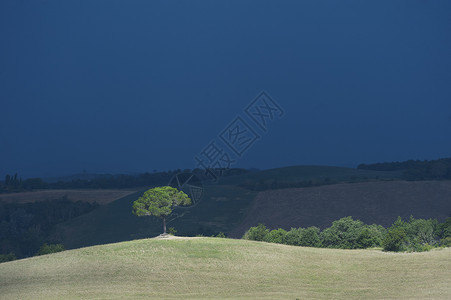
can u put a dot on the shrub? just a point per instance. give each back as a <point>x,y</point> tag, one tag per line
<point>172,230</point>
<point>7,257</point>
<point>307,237</point>
<point>420,234</point>
<point>371,236</point>
<point>256,233</point>
<point>365,239</point>
<point>343,234</point>
<point>415,246</point>
<point>52,248</point>
<point>421,231</point>
<point>444,229</point>
<point>275,236</point>
<point>426,247</point>
<point>311,237</point>
<point>221,235</point>
<point>395,240</point>
<point>399,223</point>
<point>446,242</point>
<point>293,237</point>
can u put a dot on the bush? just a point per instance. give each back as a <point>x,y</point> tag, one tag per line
<point>172,230</point>
<point>415,246</point>
<point>426,247</point>
<point>311,237</point>
<point>395,240</point>
<point>444,229</point>
<point>365,239</point>
<point>275,236</point>
<point>421,231</point>
<point>446,242</point>
<point>256,233</point>
<point>52,248</point>
<point>421,234</point>
<point>307,237</point>
<point>7,257</point>
<point>371,236</point>
<point>343,234</point>
<point>293,237</point>
<point>221,235</point>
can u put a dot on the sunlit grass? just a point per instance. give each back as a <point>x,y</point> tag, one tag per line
<point>223,268</point>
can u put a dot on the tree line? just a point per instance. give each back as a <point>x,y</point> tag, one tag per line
<point>413,235</point>
<point>14,184</point>
<point>415,169</point>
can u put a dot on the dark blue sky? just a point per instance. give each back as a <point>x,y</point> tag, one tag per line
<point>131,86</point>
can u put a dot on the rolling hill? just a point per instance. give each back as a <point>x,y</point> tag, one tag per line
<point>221,209</point>
<point>227,207</point>
<point>372,202</point>
<point>295,176</point>
<point>214,268</point>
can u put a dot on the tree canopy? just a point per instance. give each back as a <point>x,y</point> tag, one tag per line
<point>159,202</point>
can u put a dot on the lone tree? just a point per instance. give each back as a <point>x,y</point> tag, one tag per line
<point>159,202</point>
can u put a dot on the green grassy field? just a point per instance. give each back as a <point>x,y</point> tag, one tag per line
<point>215,268</point>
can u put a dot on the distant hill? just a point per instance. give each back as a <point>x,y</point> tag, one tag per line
<point>79,176</point>
<point>371,202</point>
<point>306,176</point>
<point>437,169</point>
<point>215,268</point>
<point>282,197</point>
<point>231,208</point>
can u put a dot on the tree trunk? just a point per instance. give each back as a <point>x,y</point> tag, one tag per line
<point>164,225</point>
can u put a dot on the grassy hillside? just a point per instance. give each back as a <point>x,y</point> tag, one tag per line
<point>216,268</point>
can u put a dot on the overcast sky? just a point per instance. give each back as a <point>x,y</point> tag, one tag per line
<point>132,86</point>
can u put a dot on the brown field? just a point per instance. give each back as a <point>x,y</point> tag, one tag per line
<point>371,202</point>
<point>91,196</point>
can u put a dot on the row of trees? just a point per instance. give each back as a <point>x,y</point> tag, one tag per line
<point>410,170</point>
<point>414,235</point>
<point>13,183</point>
<point>116,181</point>
<point>416,169</point>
